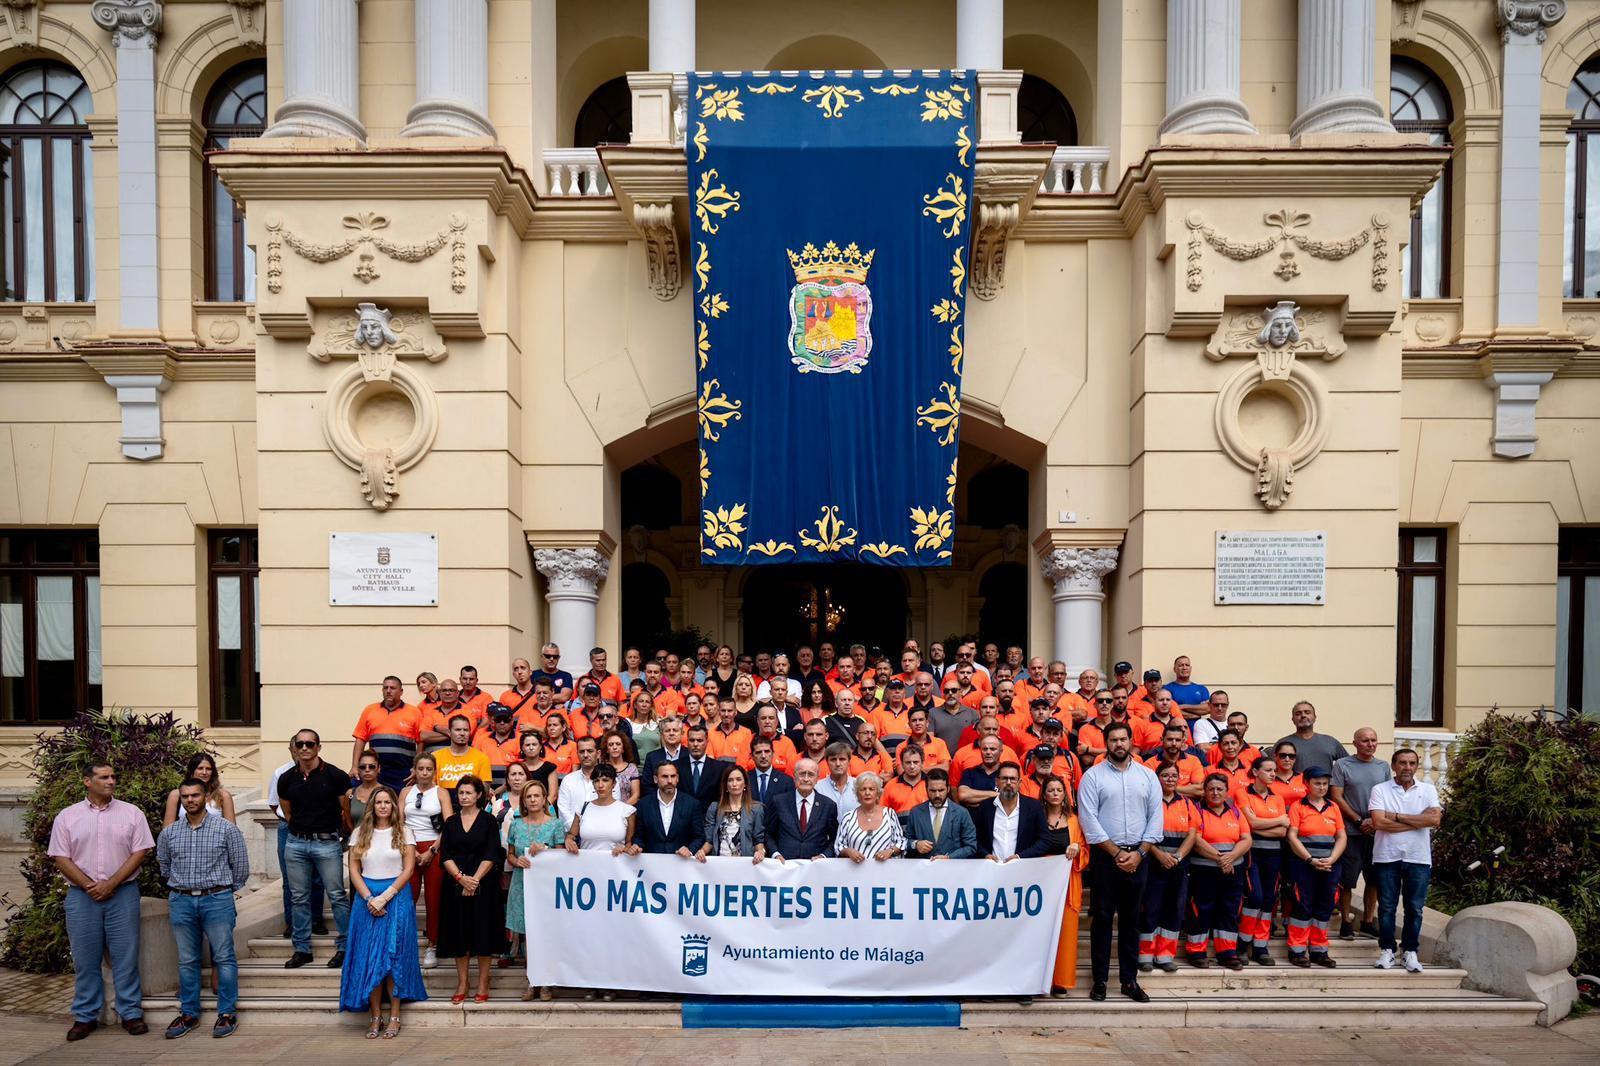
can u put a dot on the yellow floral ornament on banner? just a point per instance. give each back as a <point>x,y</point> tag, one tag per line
<point>832,536</point>
<point>832,99</point>
<point>932,528</point>
<point>945,103</point>
<point>705,472</point>
<point>701,139</point>
<point>717,411</point>
<point>964,143</point>
<point>702,267</point>
<point>720,103</point>
<point>946,310</point>
<point>949,481</point>
<point>770,88</point>
<point>958,273</point>
<point>942,415</point>
<point>883,549</point>
<point>713,200</point>
<point>772,548</point>
<point>895,89</point>
<point>948,205</point>
<point>955,350</point>
<point>713,305</point>
<point>722,528</point>
<point>703,346</point>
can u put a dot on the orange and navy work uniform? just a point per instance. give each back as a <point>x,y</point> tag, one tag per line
<point>784,755</point>
<point>668,703</point>
<point>1190,772</point>
<point>502,753</point>
<point>394,736</point>
<point>969,756</point>
<point>893,726</point>
<point>1315,891</point>
<point>1166,891</point>
<point>1290,791</point>
<point>1239,778</point>
<point>733,746</point>
<point>437,718</point>
<point>564,755</point>
<point>875,763</point>
<point>934,751</point>
<point>525,709</point>
<point>1247,755</point>
<point>1266,870</point>
<point>900,797</point>
<point>611,690</point>
<point>1213,895</point>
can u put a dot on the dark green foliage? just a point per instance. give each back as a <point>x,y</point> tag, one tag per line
<point>149,753</point>
<point>1533,786</point>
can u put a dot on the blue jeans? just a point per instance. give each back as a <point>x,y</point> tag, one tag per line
<point>305,860</point>
<point>210,919</point>
<point>96,930</point>
<point>288,899</point>
<point>1397,881</point>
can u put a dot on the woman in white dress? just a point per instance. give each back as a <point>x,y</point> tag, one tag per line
<point>871,830</point>
<point>605,823</point>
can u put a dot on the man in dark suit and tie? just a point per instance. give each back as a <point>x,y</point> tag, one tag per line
<point>671,751</point>
<point>767,783</point>
<point>701,776</point>
<point>801,824</point>
<point>940,828</point>
<point>669,821</point>
<point>1011,822</point>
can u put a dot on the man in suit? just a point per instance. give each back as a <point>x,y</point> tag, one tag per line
<point>940,828</point>
<point>671,751</point>
<point>1011,822</point>
<point>802,824</point>
<point>669,821</point>
<point>767,782</point>
<point>701,776</point>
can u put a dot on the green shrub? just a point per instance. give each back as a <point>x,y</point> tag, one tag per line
<point>149,753</point>
<point>1534,787</point>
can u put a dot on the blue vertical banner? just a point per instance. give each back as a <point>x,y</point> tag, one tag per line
<point>828,241</point>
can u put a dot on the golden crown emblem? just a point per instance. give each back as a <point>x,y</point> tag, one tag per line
<point>831,264</point>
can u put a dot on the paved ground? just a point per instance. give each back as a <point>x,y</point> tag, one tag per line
<point>36,1039</point>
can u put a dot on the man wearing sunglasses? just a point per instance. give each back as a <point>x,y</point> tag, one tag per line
<point>550,658</point>
<point>315,799</point>
<point>1092,734</point>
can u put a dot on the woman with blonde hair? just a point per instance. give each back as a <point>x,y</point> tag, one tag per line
<point>381,948</point>
<point>744,701</point>
<point>427,689</point>
<point>646,726</point>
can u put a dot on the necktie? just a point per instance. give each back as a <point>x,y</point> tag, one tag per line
<point>938,822</point>
<point>803,801</point>
<point>697,778</point>
<point>761,793</point>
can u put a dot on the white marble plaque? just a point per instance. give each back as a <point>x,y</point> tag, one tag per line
<point>383,569</point>
<point>1254,566</point>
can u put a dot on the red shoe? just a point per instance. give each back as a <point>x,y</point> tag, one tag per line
<point>480,998</point>
<point>459,997</point>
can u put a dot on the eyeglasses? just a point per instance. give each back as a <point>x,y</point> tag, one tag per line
<point>367,766</point>
<point>1287,755</point>
<point>419,799</point>
<point>1105,701</point>
<point>305,743</point>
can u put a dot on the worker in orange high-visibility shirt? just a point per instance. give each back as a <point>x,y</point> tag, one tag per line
<point>1166,891</point>
<point>1216,879</point>
<point>1269,824</point>
<point>1317,840</point>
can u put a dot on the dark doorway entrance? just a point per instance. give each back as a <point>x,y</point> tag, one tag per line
<point>786,606</point>
<point>1003,618</point>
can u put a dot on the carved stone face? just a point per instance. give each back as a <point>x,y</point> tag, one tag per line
<point>372,327</point>
<point>1280,331</point>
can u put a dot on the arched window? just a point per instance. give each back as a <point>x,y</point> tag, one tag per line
<point>1043,114</point>
<point>237,107</point>
<point>1419,103</point>
<point>49,199</point>
<point>1580,275</point>
<point>606,117</point>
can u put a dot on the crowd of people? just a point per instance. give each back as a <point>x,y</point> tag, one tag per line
<point>1198,845</point>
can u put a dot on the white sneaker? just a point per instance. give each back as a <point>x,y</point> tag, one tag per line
<point>430,959</point>
<point>1385,960</point>
<point>1413,964</point>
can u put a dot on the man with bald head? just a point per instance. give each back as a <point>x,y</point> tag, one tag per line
<point>802,824</point>
<point>1354,778</point>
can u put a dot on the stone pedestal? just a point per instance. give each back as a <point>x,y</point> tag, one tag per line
<point>1203,69</point>
<point>1079,578</point>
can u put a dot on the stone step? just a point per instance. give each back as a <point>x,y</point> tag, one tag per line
<point>1254,1008</point>
<point>269,979</point>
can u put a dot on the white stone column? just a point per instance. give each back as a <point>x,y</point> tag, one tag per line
<point>980,34</point>
<point>574,576</point>
<point>1334,88</point>
<point>1203,68</point>
<point>1079,577</point>
<point>321,71</point>
<point>134,26</point>
<point>452,70</point>
<point>1522,29</point>
<point>672,36</point>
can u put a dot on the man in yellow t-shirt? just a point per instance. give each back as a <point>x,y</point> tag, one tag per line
<point>460,758</point>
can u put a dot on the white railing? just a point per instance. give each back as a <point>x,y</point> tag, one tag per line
<point>1434,750</point>
<point>1077,170</point>
<point>576,172</point>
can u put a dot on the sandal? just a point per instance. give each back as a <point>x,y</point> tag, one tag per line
<point>392,1030</point>
<point>372,1030</point>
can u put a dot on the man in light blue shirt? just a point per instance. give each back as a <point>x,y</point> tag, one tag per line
<point>1120,809</point>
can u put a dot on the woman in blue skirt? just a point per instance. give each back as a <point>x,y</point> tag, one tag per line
<point>381,948</point>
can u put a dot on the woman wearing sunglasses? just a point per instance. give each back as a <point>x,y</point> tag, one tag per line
<point>426,806</point>
<point>366,782</point>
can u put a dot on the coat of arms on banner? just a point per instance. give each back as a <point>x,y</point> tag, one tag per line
<point>696,954</point>
<point>830,309</point>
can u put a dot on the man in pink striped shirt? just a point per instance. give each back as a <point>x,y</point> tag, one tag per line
<point>98,845</point>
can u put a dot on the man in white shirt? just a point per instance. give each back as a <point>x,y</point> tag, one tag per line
<point>319,924</point>
<point>780,678</point>
<point>839,786</point>
<point>577,788</point>
<point>1405,813</point>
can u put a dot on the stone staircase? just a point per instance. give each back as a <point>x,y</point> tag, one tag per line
<point>1282,997</point>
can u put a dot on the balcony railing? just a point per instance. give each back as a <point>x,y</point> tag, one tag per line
<point>1434,749</point>
<point>1076,170</point>
<point>576,172</point>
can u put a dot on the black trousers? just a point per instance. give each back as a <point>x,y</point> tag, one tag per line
<point>1113,893</point>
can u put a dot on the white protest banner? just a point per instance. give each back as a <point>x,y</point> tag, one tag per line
<point>905,927</point>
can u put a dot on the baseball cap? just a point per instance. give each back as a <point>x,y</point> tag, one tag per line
<point>591,689</point>
<point>498,710</point>
<point>1038,701</point>
<point>1316,771</point>
<point>1152,675</point>
<point>1123,667</point>
<point>895,682</point>
<point>1043,751</point>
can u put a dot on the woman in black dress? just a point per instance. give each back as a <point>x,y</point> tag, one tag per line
<point>472,912</point>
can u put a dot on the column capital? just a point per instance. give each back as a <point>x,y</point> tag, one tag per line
<point>1522,18</point>
<point>572,572</point>
<point>134,23</point>
<point>1078,572</point>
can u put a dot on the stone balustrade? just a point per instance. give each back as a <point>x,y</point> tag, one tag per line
<point>1434,749</point>
<point>1076,170</point>
<point>576,172</point>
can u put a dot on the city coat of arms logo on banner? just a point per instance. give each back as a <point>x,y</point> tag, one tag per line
<point>830,309</point>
